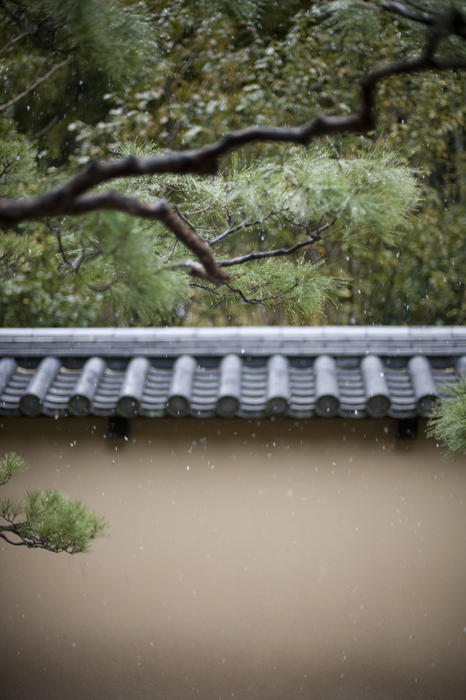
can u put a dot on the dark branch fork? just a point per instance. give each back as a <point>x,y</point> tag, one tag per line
<point>71,198</point>
<point>243,225</point>
<point>277,252</point>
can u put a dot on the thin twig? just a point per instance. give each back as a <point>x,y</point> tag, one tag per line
<point>201,211</point>
<point>65,258</point>
<point>243,225</point>
<point>264,300</point>
<point>86,257</point>
<point>33,85</point>
<point>8,46</point>
<point>47,127</point>
<point>185,218</point>
<point>212,290</point>
<point>276,252</point>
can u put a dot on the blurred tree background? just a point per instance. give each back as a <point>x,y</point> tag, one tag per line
<point>95,79</point>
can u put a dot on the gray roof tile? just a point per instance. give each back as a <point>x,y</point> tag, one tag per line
<point>278,389</point>
<point>85,386</point>
<point>229,387</point>
<point>245,372</point>
<point>32,399</point>
<point>327,394</point>
<point>376,391</point>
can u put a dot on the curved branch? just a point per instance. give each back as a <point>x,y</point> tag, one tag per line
<point>161,211</point>
<point>69,199</point>
<point>397,8</point>
<point>205,161</point>
<point>13,542</point>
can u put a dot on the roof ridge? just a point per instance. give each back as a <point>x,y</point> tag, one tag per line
<point>245,340</point>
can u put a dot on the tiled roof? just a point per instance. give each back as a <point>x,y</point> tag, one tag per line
<point>246,372</point>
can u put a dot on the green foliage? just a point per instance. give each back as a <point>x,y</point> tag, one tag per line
<point>10,465</point>
<point>48,519</point>
<point>37,290</point>
<point>264,206</point>
<point>10,509</point>
<point>185,73</point>
<point>18,168</point>
<point>448,422</point>
<point>371,194</point>
<point>295,291</point>
<point>56,523</point>
<point>83,35</point>
<point>417,280</point>
<point>116,269</point>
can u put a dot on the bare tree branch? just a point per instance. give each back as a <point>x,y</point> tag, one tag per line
<point>277,252</point>
<point>57,234</point>
<point>450,21</point>
<point>161,211</point>
<point>14,542</point>
<point>243,225</point>
<point>201,211</point>
<point>33,85</point>
<point>400,9</point>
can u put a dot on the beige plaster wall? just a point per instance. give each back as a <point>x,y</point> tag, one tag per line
<point>268,561</point>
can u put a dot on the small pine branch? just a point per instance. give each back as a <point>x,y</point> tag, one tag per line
<point>54,522</point>
<point>10,465</point>
<point>46,519</point>
<point>448,422</point>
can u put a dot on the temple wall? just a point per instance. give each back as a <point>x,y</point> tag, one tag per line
<point>262,561</point>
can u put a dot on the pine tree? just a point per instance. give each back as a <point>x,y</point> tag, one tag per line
<point>45,519</point>
<point>164,83</point>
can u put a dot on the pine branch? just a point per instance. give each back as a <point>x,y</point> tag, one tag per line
<point>276,252</point>
<point>243,225</point>
<point>71,199</point>
<point>161,211</point>
<point>263,301</point>
<point>32,542</point>
<point>49,519</point>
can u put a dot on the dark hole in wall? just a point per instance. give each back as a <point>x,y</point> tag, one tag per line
<point>118,427</point>
<point>407,429</point>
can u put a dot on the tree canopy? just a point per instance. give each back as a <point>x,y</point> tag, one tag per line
<point>370,216</point>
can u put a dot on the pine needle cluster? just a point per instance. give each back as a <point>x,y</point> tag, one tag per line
<point>448,422</point>
<point>45,519</point>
